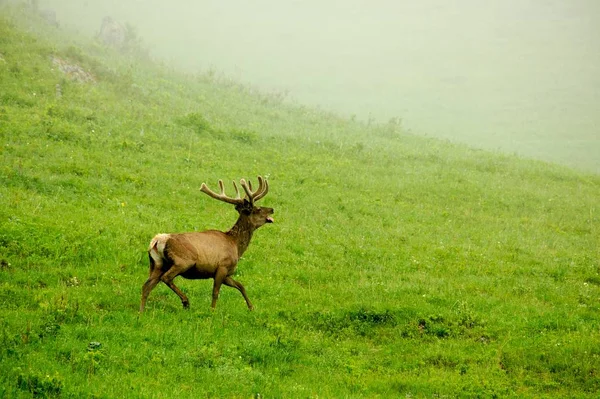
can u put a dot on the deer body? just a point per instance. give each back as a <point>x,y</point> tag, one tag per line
<point>208,254</point>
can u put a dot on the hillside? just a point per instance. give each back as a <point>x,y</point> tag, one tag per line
<point>398,266</point>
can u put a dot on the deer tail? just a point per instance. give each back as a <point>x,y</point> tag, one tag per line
<point>156,249</point>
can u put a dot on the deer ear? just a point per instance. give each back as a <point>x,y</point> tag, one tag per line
<point>246,207</point>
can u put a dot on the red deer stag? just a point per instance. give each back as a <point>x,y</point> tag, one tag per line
<point>208,254</point>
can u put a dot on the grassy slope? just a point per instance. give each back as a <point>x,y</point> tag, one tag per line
<point>397,265</point>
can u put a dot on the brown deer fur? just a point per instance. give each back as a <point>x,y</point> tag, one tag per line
<point>208,254</point>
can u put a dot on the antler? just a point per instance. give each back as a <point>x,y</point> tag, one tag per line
<point>223,197</point>
<point>251,196</point>
<point>261,191</point>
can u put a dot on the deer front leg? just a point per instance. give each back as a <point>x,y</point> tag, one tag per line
<point>236,284</point>
<point>220,276</point>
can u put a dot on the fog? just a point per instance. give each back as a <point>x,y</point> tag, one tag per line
<point>516,75</point>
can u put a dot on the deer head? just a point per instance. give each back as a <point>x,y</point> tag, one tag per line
<point>256,216</point>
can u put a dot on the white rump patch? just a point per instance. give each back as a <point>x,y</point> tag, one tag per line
<point>157,246</point>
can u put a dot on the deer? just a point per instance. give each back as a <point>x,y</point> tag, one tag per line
<point>211,253</point>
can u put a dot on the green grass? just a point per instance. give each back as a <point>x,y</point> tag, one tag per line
<point>397,267</point>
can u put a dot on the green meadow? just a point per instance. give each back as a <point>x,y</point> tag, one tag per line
<point>397,266</point>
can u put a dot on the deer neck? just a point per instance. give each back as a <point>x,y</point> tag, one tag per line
<point>241,233</point>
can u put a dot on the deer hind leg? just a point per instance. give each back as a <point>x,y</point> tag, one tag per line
<point>153,279</point>
<point>236,284</point>
<point>168,278</point>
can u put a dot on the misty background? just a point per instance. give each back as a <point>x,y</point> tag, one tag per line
<point>520,76</point>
